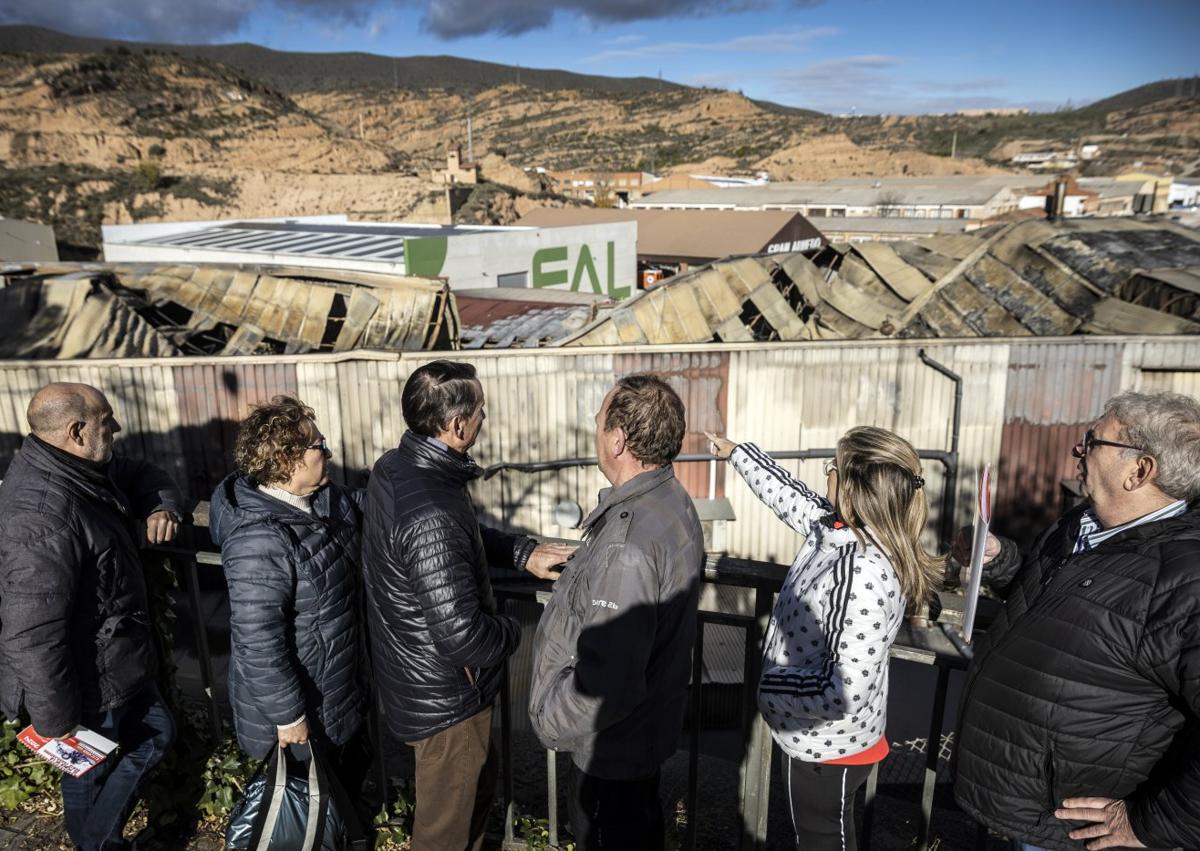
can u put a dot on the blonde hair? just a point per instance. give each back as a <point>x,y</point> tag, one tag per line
<point>879,487</point>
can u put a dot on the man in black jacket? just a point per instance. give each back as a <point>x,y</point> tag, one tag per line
<point>1080,720</point>
<point>76,644</point>
<point>438,640</point>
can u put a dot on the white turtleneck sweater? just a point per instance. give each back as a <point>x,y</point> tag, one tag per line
<point>303,503</point>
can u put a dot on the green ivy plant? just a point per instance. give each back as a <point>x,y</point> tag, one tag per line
<point>23,776</point>
<point>535,833</point>
<point>393,824</point>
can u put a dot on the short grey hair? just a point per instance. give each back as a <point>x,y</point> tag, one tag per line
<point>1167,427</point>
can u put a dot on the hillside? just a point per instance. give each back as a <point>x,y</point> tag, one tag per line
<point>120,136</point>
<point>145,134</point>
<point>292,72</point>
<point>1182,87</point>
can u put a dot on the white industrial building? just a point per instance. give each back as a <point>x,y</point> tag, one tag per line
<point>595,258</point>
<point>953,197</point>
<point>1185,192</point>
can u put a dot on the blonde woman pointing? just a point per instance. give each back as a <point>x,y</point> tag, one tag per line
<point>824,682</point>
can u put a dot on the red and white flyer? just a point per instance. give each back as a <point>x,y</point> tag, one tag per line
<point>76,754</point>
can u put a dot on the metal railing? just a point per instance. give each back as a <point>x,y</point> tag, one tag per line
<point>926,645</point>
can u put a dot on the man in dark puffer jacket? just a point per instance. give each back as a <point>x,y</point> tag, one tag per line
<point>438,642</point>
<point>76,646</point>
<point>1081,711</point>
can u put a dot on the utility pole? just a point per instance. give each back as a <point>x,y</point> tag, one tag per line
<point>395,75</point>
<point>954,146</point>
<point>518,76</point>
<point>470,145</point>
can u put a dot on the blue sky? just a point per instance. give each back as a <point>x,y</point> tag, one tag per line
<point>867,55</point>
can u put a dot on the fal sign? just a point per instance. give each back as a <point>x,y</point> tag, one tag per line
<point>553,267</point>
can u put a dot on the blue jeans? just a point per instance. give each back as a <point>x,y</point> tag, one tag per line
<point>97,805</point>
<point>1021,846</point>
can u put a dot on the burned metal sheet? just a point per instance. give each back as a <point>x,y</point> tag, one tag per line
<point>1026,278</point>
<point>129,310</point>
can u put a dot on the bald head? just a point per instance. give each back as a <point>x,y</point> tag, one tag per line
<point>76,418</point>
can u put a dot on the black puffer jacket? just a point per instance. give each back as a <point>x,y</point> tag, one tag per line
<point>1088,684</point>
<point>293,611</point>
<point>437,641</point>
<point>74,627</point>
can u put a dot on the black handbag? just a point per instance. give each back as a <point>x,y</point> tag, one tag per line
<point>294,803</point>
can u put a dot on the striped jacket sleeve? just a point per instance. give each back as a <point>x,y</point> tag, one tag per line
<point>791,500</point>
<point>856,640</point>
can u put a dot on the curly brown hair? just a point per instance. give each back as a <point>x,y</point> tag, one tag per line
<point>273,438</point>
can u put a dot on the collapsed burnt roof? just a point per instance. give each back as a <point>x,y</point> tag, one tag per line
<point>1025,278</point>
<point>60,310</point>
<point>1031,278</point>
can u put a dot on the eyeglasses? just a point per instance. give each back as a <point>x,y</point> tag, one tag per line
<point>830,466</point>
<point>1090,441</point>
<point>320,444</point>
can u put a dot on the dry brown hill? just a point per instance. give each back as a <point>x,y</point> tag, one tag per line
<point>120,136</point>
<point>145,134</point>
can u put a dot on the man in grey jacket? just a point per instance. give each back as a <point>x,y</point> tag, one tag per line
<point>613,649</point>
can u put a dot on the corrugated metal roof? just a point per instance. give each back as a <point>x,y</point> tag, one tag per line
<point>145,310</point>
<point>360,240</point>
<point>889,224</point>
<point>957,190</point>
<point>1031,278</point>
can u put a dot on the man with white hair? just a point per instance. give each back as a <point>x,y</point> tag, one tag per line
<point>1080,722</point>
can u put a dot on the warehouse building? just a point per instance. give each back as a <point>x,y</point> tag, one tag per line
<point>597,258</point>
<point>952,197</point>
<point>672,241</point>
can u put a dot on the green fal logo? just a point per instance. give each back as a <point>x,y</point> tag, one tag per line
<point>425,256</point>
<point>585,266</point>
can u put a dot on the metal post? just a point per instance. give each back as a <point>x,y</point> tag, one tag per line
<point>950,486</point>
<point>200,631</point>
<point>933,746</point>
<point>755,770</point>
<point>693,790</point>
<point>510,806</point>
<point>552,798</point>
<point>869,807</point>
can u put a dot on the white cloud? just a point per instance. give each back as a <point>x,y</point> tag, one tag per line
<point>869,83</point>
<point>775,42</point>
<point>626,39</point>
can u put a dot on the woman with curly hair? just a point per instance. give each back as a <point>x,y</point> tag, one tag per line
<point>290,543</point>
<point>824,682</point>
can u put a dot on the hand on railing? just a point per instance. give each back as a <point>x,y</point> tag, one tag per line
<point>161,527</point>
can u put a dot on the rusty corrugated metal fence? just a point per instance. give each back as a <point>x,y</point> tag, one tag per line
<point>1025,402</point>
